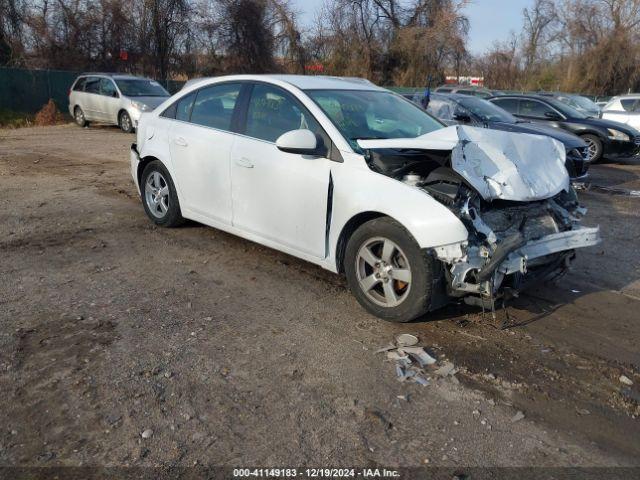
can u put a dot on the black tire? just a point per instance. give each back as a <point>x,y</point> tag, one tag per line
<point>168,214</point>
<point>78,116</point>
<point>417,293</point>
<point>125,123</point>
<point>595,146</point>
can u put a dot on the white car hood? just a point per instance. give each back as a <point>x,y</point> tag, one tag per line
<point>499,165</point>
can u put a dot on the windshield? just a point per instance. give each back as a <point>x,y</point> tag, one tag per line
<point>373,115</point>
<point>583,103</point>
<point>140,88</point>
<point>565,109</point>
<point>486,111</point>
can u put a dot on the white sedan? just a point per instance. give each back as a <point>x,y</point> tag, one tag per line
<point>360,181</point>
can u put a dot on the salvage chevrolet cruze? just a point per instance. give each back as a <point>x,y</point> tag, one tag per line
<point>361,181</point>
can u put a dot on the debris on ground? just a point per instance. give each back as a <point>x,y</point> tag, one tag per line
<point>626,380</point>
<point>147,433</point>
<point>410,359</point>
<point>517,417</point>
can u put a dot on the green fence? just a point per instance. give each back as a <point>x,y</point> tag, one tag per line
<point>26,91</point>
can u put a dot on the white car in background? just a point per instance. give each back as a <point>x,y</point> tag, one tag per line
<point>361,181</point>
<point>113,98</point>
<point>624,109</point>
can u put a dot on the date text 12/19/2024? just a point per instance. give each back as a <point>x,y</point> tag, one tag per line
<point>315,473</point>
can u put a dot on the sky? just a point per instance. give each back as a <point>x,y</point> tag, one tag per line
<point>490,20</point>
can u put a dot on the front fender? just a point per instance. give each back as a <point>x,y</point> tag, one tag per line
<point>358,191</point>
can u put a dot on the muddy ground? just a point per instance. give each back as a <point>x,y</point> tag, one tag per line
<point>235,354</point>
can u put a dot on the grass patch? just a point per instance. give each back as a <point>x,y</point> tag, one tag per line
<point>11,119</point>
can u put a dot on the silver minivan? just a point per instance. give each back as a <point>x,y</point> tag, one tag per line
<point>113,98</point>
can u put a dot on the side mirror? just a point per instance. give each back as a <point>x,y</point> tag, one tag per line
<point>298,141</point>
<point>114,94</point>
<point>461,116</point>
<point>552,116</point>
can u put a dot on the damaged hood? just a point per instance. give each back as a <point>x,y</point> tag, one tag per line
<point>498,164</point>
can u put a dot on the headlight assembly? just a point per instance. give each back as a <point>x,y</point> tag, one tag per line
<point>618,135</point>
<point>142,107</point>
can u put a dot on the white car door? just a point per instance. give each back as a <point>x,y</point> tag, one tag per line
<point>90,99</point>
<point>200,143</point>
<point>279,196</point>
<point>108,102</point>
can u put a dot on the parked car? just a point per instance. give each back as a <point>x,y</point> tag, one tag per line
<point>113,98</point>
<point>624,109</point>
<point>579,102</point>
<point>457,109</point>
<point>466,90</point>
<point>605,138</point>
<point>360,181</point>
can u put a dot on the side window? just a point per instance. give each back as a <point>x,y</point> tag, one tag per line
<point>170,111</point>
<point>92,85</point>
<point>533,108</point>
<point>214,106</point>
<point>273,112</point>
<point>466,92</point>
<point>630,104</point>
<point>184,106</point>
<point>79,85</point>
<point>107,88</point>
<point>508,104</point>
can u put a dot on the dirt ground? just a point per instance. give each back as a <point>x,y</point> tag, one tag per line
<point>235,354</point>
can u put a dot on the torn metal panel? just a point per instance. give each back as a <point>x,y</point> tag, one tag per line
<point>499,165</point>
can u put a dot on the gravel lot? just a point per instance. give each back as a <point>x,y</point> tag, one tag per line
<point>235,354</point>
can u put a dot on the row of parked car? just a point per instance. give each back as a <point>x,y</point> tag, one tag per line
<point>587,133</point>
<point>587,137</point>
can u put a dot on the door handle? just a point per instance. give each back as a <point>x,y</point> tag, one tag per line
<point>180,141</point>
<point>244,162</point>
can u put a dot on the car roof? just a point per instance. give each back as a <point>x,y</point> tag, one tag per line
<point>304,82</point>
<point>112,75</point>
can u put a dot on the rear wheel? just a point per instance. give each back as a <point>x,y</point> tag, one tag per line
<point>159,196</point>
<point>594,144</point>
<point>78,116</point>
<point>387,271</point>
<point>125,123</point>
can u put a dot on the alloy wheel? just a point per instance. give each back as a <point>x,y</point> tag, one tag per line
<point>79,117</point>
<point>156,194</point>
<point>592,149</point>
<point>383,272</point>
<point>125,123</point>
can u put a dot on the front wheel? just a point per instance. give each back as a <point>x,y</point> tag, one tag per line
<point>594,145</point>
<point>388,273</point>
<point>159,196</point>
<point>125,123</point>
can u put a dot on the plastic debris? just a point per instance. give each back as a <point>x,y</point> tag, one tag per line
<point>409,358</point>
<point>626,380</point>
<point>406,340</point>
<point>517,417</point>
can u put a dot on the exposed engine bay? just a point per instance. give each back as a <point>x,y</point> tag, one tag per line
<point>511,242</point>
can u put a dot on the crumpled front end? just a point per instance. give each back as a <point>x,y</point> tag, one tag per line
<point>512,245</point>
<point>512,193</point>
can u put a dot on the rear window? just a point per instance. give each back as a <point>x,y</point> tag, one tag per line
<point>79,85</point>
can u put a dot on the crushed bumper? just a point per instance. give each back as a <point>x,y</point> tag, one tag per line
<point>471,270</point>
